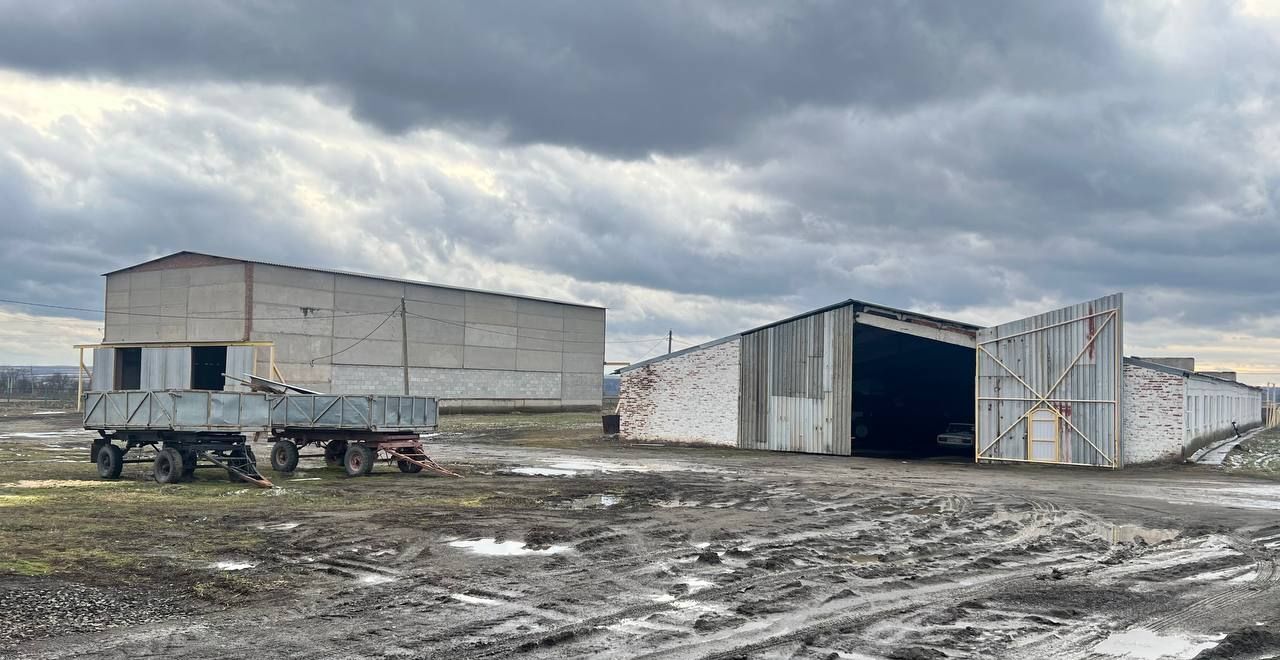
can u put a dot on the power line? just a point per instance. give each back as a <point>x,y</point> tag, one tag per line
<point>375,329</point>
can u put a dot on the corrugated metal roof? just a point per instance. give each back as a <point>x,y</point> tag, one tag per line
<point>862,306</point>
<point>680,352</point>
<point>352,274</point>
<point>1156,366</point>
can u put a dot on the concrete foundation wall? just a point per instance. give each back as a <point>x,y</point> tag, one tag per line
<point>1153,416</point>
<point>691,397</point>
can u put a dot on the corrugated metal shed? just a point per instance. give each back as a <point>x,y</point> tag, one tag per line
<point>796,384</point>
<point>1066,363</point>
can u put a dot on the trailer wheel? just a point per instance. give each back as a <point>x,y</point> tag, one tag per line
<point>284,456</point>
<point>335,452</point>
<point>169,466</point>
<point>189,459</point>
<point>407,467</point>
<point>359,461</point>
<point>110,462</point>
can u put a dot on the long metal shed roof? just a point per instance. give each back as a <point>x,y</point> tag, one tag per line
<point>331,271</point>
<point>862,306</point>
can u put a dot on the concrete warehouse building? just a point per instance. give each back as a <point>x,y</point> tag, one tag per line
<point>182,320</point>
<point>856,377</point>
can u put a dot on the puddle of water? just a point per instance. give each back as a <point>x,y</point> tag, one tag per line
<point>676,503</point>
<point>38,435</point>
<point>1133,533</point>
<point>375,578</point>
<point>305,479</point>
<point>697,584</point>
<point>544,472</point>
<point>52,412</point>
<point>57,483</point>
<point>492,548</point>
<point>474,600</point>
<point>1144,644</point>
<point>594,501</point>
<point>229,565</point>
<point>279,527</point>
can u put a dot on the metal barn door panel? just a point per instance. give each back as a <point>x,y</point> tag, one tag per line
<point>166,368</point>
<point>104,370</point>
<point>240,365</point>
<point>796,385</point>
<point>1049,387</point>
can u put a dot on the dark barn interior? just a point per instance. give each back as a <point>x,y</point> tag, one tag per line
<point>208,363</point>
<point>906,390</point>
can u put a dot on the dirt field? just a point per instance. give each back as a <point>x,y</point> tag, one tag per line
<point>559,543</point>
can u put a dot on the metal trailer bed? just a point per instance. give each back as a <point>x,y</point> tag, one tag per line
<point>185,426</point>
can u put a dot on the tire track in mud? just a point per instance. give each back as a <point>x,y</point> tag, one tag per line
<point>1264,580</point>
<point>1036,526</point>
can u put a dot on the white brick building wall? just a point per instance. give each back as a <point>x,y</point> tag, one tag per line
<point>692,397</point>
<point>1153,415</point>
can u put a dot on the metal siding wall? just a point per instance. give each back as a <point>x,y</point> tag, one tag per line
<point>1038,350</point>
<point>239,363</point>
<point>165,369</point>
<point>796,385</point>
<point>104,369</point>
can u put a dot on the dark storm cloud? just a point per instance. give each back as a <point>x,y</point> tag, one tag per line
<point>619,78</point>
<point>948,155</point>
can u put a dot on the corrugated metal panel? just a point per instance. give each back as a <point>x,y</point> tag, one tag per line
<point>104,369</point>
<point>796,382</point>
<point>1069,360</point>
<point>166,368</point>
<point>239,363</point>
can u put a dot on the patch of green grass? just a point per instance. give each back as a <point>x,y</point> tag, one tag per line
<point>25,567</point>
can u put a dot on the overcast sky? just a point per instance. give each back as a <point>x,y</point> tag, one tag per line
<point>702,167</point>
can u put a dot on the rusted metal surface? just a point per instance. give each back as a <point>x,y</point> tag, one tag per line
<point>796,381</point>
<point>1068,361</point>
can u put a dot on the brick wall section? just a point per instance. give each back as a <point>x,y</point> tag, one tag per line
<point>691,397</point>
<point>1154,415</point>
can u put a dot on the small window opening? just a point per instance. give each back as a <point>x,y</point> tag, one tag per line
<point>128,374</point>
<point>208,363</point>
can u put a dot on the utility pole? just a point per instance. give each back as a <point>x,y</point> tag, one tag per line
<point>404,343</point>
<point>668,342</point>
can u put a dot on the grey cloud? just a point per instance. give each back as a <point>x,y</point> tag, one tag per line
<point>955,155</point>
<point>618,78</point>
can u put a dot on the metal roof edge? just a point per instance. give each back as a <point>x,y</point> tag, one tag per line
<point>350,273</point>
<point>1155,366</point>
<point>863,306</point>
<point>667,356</point>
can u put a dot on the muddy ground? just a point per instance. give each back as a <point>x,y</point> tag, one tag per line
<point>560,543</point>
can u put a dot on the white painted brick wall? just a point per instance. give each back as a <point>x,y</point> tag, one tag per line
<point>1153,415</point>
<point>692,397</point>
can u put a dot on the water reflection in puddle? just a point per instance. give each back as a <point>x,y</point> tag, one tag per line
<point>1134,533</point>
<point>493,548</point>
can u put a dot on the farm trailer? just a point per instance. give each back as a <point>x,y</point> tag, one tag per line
<point>185,426</point>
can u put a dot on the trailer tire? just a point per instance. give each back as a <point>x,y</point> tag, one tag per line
<point>110,462</point>
<point>407,467</point>
<point>169,467</point>
<point>189,459</point>
<point>284,456</point>
<point>359,461</point>
<point>335,453</point>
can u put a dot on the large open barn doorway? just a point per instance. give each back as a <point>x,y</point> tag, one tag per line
<point>906,391</point>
